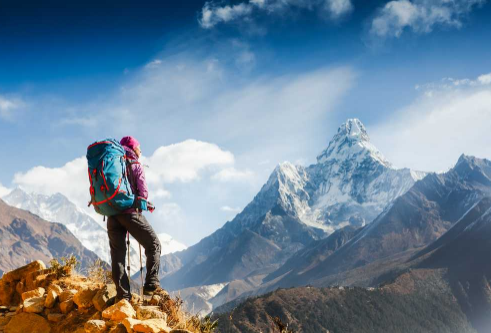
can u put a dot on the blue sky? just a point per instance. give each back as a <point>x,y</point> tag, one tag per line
<point>219,93</point>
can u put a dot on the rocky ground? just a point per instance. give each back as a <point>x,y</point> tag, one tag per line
<point>38,300</point>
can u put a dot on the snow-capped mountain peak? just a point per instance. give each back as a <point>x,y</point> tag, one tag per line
<point>351,142</point>
<point>351,183</point>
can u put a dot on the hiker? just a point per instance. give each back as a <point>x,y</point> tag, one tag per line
<point>133,221</point>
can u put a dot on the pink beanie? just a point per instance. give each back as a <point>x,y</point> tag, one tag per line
<point>130,142</point>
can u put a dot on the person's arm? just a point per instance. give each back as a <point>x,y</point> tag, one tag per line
<point>141,184</point>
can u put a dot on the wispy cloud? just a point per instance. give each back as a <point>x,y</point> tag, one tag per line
<point>451,84</point>
<point>229,209</point>
<point>420,16</point>
<point>153,64</point>
<point>232,174</point>
<point>8,106</point>
<point>433,131</point>
<point>213,13</point>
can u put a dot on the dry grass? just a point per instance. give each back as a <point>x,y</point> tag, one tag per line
<point>64,266</point>
<point>97,273</point>
<point>177,318</point>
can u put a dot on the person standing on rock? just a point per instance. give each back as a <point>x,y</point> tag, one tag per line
<point>136,224</point>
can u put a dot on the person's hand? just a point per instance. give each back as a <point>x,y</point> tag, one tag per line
<point>150,206</point>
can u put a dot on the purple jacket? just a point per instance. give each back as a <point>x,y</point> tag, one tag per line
<point>136,178</point>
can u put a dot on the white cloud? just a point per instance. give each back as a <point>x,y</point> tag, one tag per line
<point>232,174</point>
<point>181,162</point>
<point>7,107</point>
<point>153,64</point>
<point>432,132</point>
<point>229,209</point>
<point>184,161</point>
<point>169,214</point>
<point>213,14</point>
<point>70,180</point>
<point>484,79</point>
<point>4,191</point>
<point>421,16</point>
<point>451,84</point>
<point>161,193</point>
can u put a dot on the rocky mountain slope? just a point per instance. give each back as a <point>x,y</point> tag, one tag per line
<point>350,184</point>
<point>25,237</point>
<point>414,220</point>
<point>92,234</point>
<point>464,251</point>
<point>418,301</point>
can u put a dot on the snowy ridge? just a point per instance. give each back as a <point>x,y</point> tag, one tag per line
<point>92,235</point>
<point>197,299</point>
<point>350,184</point>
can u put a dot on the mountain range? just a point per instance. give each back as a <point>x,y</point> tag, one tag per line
<point>25,237</point>
<point>92,234</point>
<point>350,185</point>
<point>428,252</point>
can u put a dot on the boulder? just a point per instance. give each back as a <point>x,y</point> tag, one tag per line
<point>119,311</point>
<point>27,322</point>
<point>67,306</point>
<point>103,296</point>
<point>35,279</point>
<point>129,323</point>
<point>55,288</point>
<point>20,287</point>
<point>84,297</point>
<point>22,272</point>
<point>67,295</point>
<point>7,291</point>
<point>55,317</point>
<point>51,298</point>
<point>152,326</point>
<point>96,316</point>
<point>150,312</point>
<point>34,304</point>
<point>38,292</point>
<point>4,321</point>
<point>54,291</point>
<point>95,326</point>
<point>118,329</point>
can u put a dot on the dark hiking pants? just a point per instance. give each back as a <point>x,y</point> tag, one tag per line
<point>142,231</point>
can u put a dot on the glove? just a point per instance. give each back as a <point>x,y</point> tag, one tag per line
<point>150,206</point>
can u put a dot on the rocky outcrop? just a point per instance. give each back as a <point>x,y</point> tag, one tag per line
<point>34,299</point>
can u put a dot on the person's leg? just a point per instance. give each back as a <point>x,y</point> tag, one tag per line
<point>143,232</point>
<point>117,242</point>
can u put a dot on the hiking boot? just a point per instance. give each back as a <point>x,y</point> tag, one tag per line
<point>115,300</point>
<point>150,291</point>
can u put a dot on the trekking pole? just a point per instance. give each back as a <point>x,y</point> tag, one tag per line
<point>141,270</point>
<point>128,267</point>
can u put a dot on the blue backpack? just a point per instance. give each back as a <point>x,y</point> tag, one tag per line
<point>110,190</point>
